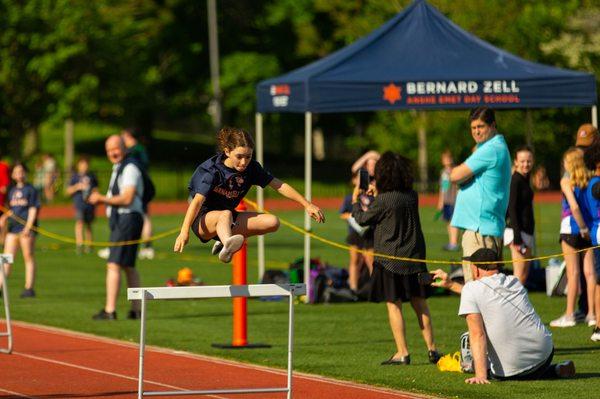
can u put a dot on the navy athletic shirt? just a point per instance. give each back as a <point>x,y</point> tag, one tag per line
<point>20,199</point>
<point>89,179</point>
<point>225,187</point>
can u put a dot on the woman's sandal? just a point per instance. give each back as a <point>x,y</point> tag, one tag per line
<point>404,360</point>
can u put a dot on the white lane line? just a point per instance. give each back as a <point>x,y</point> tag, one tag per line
<point>300,375</point>
<point>43,359</point>
<point>21,395</point>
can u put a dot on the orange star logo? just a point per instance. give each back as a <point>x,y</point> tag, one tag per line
<point>392,93</point>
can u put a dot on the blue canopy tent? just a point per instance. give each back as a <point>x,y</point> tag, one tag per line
<point>417,60</point>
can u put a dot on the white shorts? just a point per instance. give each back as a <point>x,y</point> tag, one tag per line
<point>509,236</point>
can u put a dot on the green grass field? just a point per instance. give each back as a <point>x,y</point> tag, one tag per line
<point>345,341</point>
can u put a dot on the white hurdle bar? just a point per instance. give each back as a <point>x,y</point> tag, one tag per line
<point>216,291</point>
<point>6,259</point>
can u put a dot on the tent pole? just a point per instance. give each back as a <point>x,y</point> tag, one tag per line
<point>260,198</point>
<point>595,115</point>
<point>308,196</point>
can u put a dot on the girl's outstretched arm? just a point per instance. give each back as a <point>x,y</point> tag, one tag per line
<point>190,215</point>
<point>289,192</point>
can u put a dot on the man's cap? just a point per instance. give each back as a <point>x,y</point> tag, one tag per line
<point>586,135</point>
<point>484,255</point>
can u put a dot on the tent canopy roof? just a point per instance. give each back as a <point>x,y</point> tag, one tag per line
<point>421,56</point>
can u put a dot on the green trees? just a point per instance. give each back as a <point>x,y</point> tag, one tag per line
<point>145,62</point>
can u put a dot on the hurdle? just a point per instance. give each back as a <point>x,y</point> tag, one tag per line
<point>216,291</point>
<point>4,259</point>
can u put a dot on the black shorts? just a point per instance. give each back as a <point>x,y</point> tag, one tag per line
<point>85,214</point>
<point>575,240</point>
<point>361,242</point>
<point>203,211</point>
<point>127,227</point>
<point>15,227</point>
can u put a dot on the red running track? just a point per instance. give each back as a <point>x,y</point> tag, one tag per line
<point>50,363</point>
<point>66,211</point>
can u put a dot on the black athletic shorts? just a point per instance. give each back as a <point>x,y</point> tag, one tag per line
<point>127,227</point>
<point>203,211</point>
<point>575,240</point>
<point>85,214</point>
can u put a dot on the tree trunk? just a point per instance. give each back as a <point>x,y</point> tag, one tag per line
<point>529,124</point>
<point>422,136</point>
<point>15,145</point>
<point>31,142</point>
<point>69,145</point>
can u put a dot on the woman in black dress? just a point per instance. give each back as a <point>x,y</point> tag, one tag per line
<point>394,216</point>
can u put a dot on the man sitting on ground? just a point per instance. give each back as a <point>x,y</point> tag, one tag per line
<point>504,329</point>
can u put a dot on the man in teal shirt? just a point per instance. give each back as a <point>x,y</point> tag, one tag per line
<point>484,186</point>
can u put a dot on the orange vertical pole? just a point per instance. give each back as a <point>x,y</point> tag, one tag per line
<point>240,277</point>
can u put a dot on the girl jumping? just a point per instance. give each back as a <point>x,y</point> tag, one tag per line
<point>217,187</point>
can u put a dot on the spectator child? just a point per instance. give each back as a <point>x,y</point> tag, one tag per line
<point>357,240</point>
<point>24,204</point>
<point>518,234</point>
<point>81,185</point>
<point>446,200</point>
<point>574,235</point>
<point>592,196</point>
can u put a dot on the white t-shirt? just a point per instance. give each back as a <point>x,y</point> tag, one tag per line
<point>516,337</point>
<point>131,176</point>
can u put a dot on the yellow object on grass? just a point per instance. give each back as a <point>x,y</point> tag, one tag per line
<point>185,276</point>
<point>450,362</point>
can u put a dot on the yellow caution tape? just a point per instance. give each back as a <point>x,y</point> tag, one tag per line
<point>71,240</point>
<point>287,224</point>
<point>385,256</point>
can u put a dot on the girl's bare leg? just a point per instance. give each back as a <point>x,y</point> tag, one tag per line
<point>216,223</point>
<point>11,245</point>
<point>78,233</point>
<point>369,258</point>
<point>254,223</point>
<point>354,267</point>
<point>423,316</point>
<point>398,328</point>
<point>590,278</point>
<point>28,249</point>
<point>572,260</point>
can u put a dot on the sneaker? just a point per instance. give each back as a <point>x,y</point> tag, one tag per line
<point>450,247</point>
<point>466,358</point>
<point>146,253</point>
<point>104,253</point>
<point>565,369</point>
<point>579,316</point>
<point>217,247</point>
<point>563,321</point>
<point>590,320</point>
<point>28,293</point>
<point>596,335</point>
<point>134,314</point>
<point>104,315</point>
<point>231,246</point>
